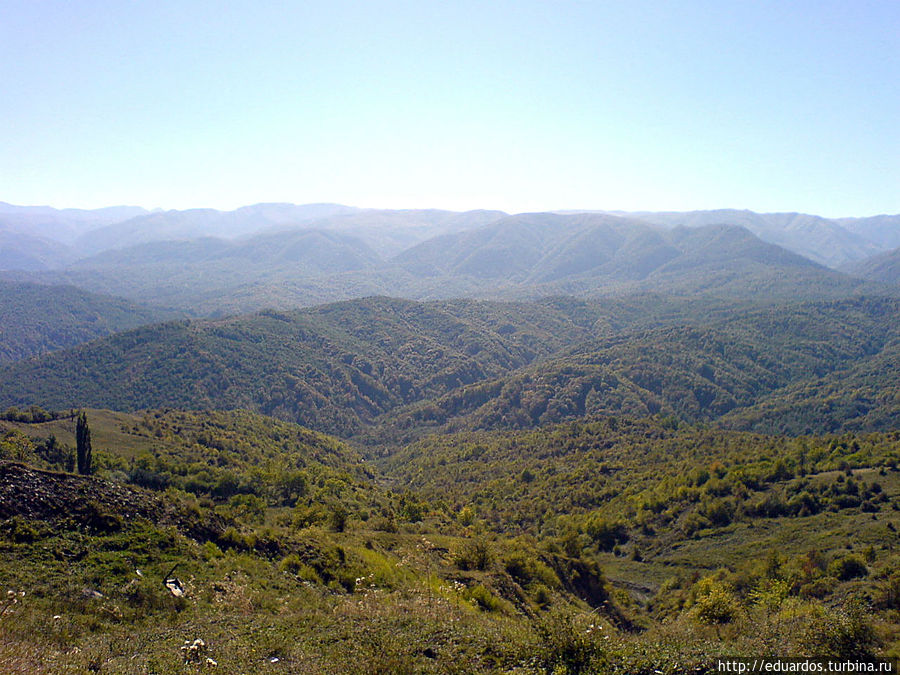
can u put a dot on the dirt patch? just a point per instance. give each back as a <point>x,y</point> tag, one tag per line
<point>67,500</point>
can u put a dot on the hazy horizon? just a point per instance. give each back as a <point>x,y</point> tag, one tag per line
<point>521,107</point>
<point>562,210</point>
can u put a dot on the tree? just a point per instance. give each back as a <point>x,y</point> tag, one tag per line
<point>83,444</point>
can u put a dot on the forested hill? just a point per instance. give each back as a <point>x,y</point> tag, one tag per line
<point>778,369</point>
<point>404,365</point>
<point>35,318</point>
<point>584,254</point>
<point>884,267</point>
<point>333,367</point>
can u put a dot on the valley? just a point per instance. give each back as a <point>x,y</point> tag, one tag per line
<point>435,442</point>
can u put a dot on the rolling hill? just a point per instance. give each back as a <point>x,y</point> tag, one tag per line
<point>859,396</point>
<point>694,373</point>
<point>883,268</point>
<point>407,367</point>
<point>334,367</point>
<point>828,242</point>
<point>22,251</point>
<point>35,319</point>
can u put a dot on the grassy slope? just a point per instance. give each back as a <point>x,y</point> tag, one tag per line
<point>385,592</point>
<point>398,586</point>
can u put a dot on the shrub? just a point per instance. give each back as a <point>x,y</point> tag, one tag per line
<point>466,516</point>
<point>209,551</point>
<point>604,533</point>
<point>482,598</point>
<point>843,633</point>
<point>819,588</point>
<point>715,603</point>
<point>292,564</point>
<point>567,648</point>
<point>20,531</point>
<point>719,511</point>
<point>474,554</point>
<point>384,524</point>
<point>848,567</point>
<point>98,517</point>
<point>337,518</point>
<point>231,538</point>
<point>541,595</point>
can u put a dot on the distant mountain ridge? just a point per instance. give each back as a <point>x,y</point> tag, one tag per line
<point>884,267</point>
<point>284,255</point>
<point>62,225</point>
<point>883,230</point>
<point>515,258</point>
<point>831,242</point>
<point>828,242</point>
<point>195,223</point>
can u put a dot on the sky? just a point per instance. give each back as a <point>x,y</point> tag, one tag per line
<point>520,106</point>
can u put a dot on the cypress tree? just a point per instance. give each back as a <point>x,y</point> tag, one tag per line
<point>83,444</point>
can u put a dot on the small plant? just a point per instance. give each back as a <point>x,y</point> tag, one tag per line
<point>474,554</point>
<point>12,598</point>
<point>482,598</point>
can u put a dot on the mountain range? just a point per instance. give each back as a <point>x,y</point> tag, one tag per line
<point>333,253</point>
<point>831,242</point>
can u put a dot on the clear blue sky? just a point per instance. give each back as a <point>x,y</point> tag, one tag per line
<point>627,104</point>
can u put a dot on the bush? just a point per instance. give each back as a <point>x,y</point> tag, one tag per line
<point>819,588</point>
<point>541,595</point>
<point>567,648</point>
<point>337,518</point>
<point>474,554</point>
<point>384,524</point>
<point>604,533</point>
<point>466,516</point>
<point>231,538</point>
<point>715,603</point>
<point>848,567</point>
<point>844,633</point>
<point>20,531</point>
<point>292,564</point>
<point>482,598</point>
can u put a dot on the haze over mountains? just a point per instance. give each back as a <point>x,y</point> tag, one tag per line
<point>832,242</point>
<point>283,255</point>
